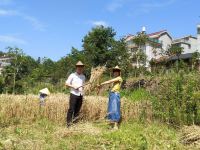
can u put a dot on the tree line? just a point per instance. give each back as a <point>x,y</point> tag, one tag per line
<point>99,47</point>
<point>26,74</point>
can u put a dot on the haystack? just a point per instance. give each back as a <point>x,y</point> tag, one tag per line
<point>190,135</point>
<point>96,74</point>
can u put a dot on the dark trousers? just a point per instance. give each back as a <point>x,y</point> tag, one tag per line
<point>75,103</point>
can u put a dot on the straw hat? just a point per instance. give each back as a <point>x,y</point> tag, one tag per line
<point>45,91</point>
<point>116,68</point>
<point>79,63</point>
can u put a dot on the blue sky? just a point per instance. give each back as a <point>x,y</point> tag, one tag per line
<point>51,27</point>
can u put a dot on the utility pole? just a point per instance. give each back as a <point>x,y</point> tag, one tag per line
<point>14,78</point>
<point>14,74</point>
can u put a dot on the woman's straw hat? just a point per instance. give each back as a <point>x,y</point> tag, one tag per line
<point>116,68</point>
<point>79,63</point>
<point>45,91</point>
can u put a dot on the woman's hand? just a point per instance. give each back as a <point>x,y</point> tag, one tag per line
<point>99,86</point>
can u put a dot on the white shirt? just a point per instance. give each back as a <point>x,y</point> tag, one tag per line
<point>76,80</point>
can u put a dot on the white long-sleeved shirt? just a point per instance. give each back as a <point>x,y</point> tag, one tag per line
<point>76,80</point>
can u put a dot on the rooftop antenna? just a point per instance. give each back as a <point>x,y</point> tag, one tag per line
<point>198,27</point>
<point>143,29</point>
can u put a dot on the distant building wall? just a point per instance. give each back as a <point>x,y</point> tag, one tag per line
<point>4,61</point>
<point>166,41</point>
<point>198,38</point>
<point>186,48</point>
<point>193,44</point>
<point>188,43</point>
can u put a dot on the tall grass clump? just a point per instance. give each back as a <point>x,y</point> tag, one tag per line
<point>140,94</point>
<point>176,99</point>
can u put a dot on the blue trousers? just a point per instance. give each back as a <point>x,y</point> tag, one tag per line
<point>114,114</point>
<point>42,99</point>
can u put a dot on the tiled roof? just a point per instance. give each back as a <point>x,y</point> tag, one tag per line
<point>188,36</point>
<point>182,56</point>
<point>151,35</point>
<point>128,37</point>
<point>157,33</point>
<point>177,42</point>
<point>173,58</point>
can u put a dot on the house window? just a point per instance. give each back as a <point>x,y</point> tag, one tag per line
<point>133,50</point>
<point>161,43</point>
<point>198,30</point>
<point>129,42</point>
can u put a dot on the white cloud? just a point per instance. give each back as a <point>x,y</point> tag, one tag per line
<point>5,2</point>
<point>35,22</point>
<point>137,7</point>
<point>99,23</point>
<point>155,4</point>
<point>38,25</point>
<point>147,6</point>
<point>4,12</point>
<point>11,40</point>
<point>114,5</point>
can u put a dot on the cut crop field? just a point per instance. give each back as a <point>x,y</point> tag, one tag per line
<point>15,108</point>
<point>26,126</point>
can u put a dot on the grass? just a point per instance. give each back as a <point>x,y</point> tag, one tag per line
<point>46,135</point>
<point>136,95</point>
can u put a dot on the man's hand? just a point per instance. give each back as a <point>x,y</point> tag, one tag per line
<point>75,87</point>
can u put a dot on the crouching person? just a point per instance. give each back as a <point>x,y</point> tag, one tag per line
<point>42,96</point>
<point>75,82</point>
<point>113,112</point>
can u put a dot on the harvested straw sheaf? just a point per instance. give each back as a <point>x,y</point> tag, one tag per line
<point>190,135</point>
<point>96,74</point>
<point>26,108</point>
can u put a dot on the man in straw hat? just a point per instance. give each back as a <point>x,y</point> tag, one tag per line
<point>43,94</point>
<point>75,82</point>
<point>113,112</point>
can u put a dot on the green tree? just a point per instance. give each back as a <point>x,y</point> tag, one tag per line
<point>97,45</point>
<point>21,66</point>
<point>138,54</point>
<point>101,48</point>
<point>175,50</point>
<point>119,55</point>
<point>2,54</point>
<point>195,59</point>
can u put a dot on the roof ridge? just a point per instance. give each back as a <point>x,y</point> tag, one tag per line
<point>155,33</point>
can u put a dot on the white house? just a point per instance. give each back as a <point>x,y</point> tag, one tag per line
<point>154,47</point>
<point>188,43</point>
<point>198,38</point>
<point>159,42</point>
<point>4,61</point>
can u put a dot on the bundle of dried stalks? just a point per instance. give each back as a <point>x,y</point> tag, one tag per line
<point>16,108</point>
<point>191,136</point>
<point>96,74</point>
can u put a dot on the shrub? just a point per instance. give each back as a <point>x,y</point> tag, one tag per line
<point>177,99</point>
